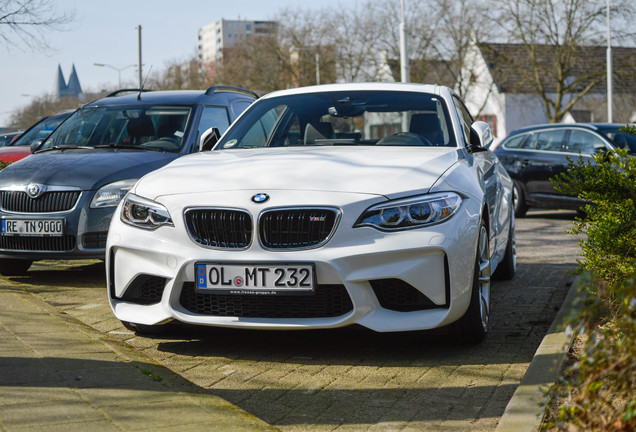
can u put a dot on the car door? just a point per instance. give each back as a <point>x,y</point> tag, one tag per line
<point>540,160</point>
<point>492,185</point>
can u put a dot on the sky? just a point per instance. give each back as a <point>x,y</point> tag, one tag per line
<point>105,32</point>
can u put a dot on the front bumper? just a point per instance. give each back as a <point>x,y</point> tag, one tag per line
<point>85,231</point>
<point>435,263</point>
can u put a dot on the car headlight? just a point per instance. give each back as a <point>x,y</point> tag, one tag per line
<point>411,212</point>
<point>110,194</point>
<point>144,213</point>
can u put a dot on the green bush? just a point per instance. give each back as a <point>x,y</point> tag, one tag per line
<point>609,229</point>
<point>597,390</point>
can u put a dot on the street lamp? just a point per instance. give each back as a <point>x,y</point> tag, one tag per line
<point>115,68</point>
<point>33,101</point>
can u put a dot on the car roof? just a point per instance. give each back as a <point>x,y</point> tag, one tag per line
<point>588,126</point>
<point>171,97</point>
<point>377,86</point>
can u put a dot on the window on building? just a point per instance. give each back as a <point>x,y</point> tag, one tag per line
<point>582,116</point>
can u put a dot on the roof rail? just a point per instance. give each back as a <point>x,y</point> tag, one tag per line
<point>214,89</point>
<point>116,92</point>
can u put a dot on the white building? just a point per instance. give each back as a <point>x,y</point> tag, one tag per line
<point>498,95</point>
<point>217,36</point>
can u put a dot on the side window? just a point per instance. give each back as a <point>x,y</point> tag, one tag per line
<point>514,142</point>
<point>551,140</point>
<point>464,117</point>
<point>584,142</point>
<point>240,106</point>
<point>213,117</point>
<point>259,133</point>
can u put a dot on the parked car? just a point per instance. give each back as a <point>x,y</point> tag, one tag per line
<point>58,202</point>
<point>8,137</point>
<point>317,209</point>
<point>21,147</point>
<point>534,155</point>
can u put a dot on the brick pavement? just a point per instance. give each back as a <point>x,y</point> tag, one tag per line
<point>353,379</point>
<point>59,375</point>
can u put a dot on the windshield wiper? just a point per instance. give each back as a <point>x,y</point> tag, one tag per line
<point>127,147</point>
<point>62,147</point>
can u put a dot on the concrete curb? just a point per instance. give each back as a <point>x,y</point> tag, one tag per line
<point>526,409</point>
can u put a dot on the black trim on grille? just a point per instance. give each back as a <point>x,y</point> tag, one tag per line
<point>296,228</point>
<point>400,296</point>
<point>220,228</point>
<point>49,202</point>
<point>145,290</point>
<point>39,244</point>
<point>111,274</point>
<point>328,301</point>
<point>447,288</point>
<point>94,240</point>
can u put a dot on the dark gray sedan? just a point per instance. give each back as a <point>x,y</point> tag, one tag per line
<point>57,203</point>
<point>534,155</point>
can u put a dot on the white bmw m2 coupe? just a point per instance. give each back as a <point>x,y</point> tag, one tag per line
<point>375,204</point>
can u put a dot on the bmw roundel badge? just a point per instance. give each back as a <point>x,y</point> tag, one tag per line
<point>260,198</point>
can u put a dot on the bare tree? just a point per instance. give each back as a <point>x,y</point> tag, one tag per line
<point>303,33</point>
<point>422,23</point>
<point>26,21</point>
<point>556,37</point>
<point>44,106</point>
<point>178,75</point>
<point>462,24</point>
<point>259,63</point>
<point>355,37</point>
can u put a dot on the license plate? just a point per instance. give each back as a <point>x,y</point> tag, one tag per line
<point>255,278</point>
<point>33,227</point>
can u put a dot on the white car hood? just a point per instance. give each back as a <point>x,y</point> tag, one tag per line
<point>367,170</point>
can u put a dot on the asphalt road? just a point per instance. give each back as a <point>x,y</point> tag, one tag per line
<point>352,379</point>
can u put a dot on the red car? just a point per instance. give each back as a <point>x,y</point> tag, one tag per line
<point>21,147</point>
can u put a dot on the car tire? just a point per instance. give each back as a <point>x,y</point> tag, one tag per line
<point>14,267</point>
<point>519,199</point>
<point>144,329</point>
<point>508,266</point>
<point>473,326</point>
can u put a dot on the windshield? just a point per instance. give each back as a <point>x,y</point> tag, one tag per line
<point>146,128</point>
<point>41,130</point>
<point>620,139</point>
<point>343,118</point>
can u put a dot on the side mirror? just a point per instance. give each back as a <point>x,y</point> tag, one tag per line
<point>480,135</point>
<point>209,138</point>
<point>36,145</point>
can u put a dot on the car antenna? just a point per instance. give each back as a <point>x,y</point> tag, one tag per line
<point>143,84</point>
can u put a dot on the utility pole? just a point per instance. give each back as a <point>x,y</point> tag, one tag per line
<point>404,51</point>
<point>610,90</point>
<point>404,64</point>
<point>141,81</point>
